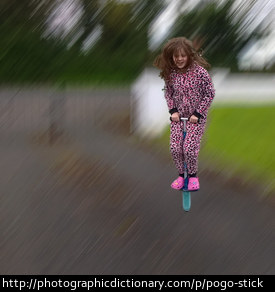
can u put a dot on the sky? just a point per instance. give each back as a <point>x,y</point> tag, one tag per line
<point>164,22</point>
<point>262,53</point>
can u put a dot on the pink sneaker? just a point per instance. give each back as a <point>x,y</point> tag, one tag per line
<point>178,183</point>
<point>193,184</point>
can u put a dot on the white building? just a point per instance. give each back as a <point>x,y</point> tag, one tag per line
<point>149,113</point>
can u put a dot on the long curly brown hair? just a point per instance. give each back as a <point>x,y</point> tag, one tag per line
<point>165,62</point>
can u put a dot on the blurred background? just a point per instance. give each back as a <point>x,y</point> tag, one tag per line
<point>74,40</point>
<point>84,134</point>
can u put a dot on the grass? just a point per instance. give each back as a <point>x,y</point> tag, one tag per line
<point>241,141</point>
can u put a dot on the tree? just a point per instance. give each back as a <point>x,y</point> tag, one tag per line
<point>90,19</point>
<point>122,49</point>
<point>25,14</point>
<point>25,54</point>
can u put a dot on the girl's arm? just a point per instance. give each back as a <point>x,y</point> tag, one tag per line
<point>207,92</point>
<point>169,98</point>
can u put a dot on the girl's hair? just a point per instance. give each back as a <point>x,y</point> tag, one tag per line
<point>165,61</point>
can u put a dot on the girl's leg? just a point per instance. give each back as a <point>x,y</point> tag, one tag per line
<point>176,146</point>
<point>191,146</point>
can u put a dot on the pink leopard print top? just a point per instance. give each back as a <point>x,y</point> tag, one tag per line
<point>190,93</point>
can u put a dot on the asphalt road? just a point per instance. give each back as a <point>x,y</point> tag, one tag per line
<point>98,202</point>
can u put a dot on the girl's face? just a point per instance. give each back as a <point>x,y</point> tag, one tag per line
<point>180,59</point>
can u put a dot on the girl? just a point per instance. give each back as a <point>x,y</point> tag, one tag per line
<point>189,92</point>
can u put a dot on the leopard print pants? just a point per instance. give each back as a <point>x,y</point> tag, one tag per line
<point>187,150</point>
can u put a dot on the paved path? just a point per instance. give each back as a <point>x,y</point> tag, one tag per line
<point>96,203</point>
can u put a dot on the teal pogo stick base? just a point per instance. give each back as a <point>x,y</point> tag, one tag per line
<point>186,200</point>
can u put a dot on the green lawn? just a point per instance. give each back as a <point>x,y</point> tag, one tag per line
<point>242,139</point>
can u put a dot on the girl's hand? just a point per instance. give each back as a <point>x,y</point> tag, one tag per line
<point>193,119</point>
<point>175,117</point>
